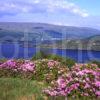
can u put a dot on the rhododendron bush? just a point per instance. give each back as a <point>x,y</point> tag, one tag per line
<point>78,81</point>
<point>45,70</point>
<point>82,80</point>
<point>18,65</point>
<point>17,68</point>
<point>49,70</point>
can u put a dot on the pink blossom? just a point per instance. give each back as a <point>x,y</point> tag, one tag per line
<point>52,63</point>
<point>97,83</point>
<point>61,82</point>
<point>10,64</point>
<point>81,77</point>
<point>97,93</point>
<point>28,66</point>
<point>85,94</point>
<point>87,85</point>
<point>94,65</point>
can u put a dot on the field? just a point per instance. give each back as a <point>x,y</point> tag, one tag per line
<point>19,89</point>
<point>46,79</point>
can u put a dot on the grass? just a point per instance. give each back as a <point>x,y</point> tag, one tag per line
<point>17,89</point>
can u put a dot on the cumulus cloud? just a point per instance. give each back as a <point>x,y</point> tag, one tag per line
<point>10,7</point>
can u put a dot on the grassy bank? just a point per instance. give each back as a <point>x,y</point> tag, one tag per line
<point>17,89</point>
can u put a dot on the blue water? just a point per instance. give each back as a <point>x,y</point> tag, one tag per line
<point>8,50</point>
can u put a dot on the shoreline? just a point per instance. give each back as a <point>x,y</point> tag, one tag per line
<point>70,49</point>
<point>46,47</point>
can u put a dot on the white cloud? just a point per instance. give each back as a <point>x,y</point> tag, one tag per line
<point>36,1</point>
<point>81,13</point>
<point>53,6</point>
<point>46,6</point>
<point>69,7</point>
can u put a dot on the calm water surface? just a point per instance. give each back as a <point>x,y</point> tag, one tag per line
<point>8,50</point>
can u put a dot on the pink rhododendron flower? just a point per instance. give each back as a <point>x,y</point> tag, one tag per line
<point>97,93</point>
<point>10,64</point>
<point>52,63</point>
<point>28,66</point>
<point>87,86</point>
<point>83,78</point>
<point>61,82</point>
<point>97,83</point>
<point>86,94</point>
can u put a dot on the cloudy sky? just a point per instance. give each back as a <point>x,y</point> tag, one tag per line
<point>62,12</point>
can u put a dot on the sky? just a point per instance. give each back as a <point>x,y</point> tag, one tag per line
<point>84,13</point>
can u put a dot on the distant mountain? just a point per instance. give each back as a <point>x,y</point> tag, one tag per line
<point>41,31</point>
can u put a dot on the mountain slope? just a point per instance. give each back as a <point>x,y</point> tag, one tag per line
<point>45,31</point>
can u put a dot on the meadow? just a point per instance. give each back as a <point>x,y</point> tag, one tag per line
<point>49,78</point>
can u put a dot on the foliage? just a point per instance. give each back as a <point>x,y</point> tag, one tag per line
<point>65,61</point>
<point>48,70</point>
<point>96,62</point>
<point>78,81</point>
<point>17,68</point>
<point>82,81</point>
<point>18,89</point>
<point>39,55</point>
<point>41,70</point>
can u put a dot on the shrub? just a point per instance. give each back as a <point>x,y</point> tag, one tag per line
<point>65,61</point>
<point>82,80</point>
<point>96,62</point>
<point>17,68</point>
<point>41,70</point>
<point>48,70</point>
<point>39,55</point>
<point>2,60</point>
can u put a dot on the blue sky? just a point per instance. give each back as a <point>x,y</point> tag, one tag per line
<point>85,13</point>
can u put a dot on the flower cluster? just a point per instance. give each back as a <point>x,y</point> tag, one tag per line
<point>10,64</point>
<point>48,70</point>
<point>79,80</point>
<point>28,66</point>
<point>42,69</point>
<point>52,63</point>
<point>15,65</point>
<point>82,80</point>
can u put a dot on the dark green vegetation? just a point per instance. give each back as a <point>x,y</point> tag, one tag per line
<point>65,61</point>
<point>96,62</point>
